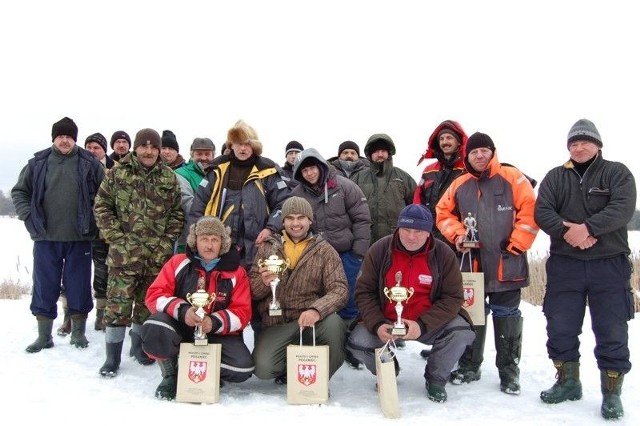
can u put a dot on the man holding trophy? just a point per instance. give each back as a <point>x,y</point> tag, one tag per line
<point>201,296</point>
<point>411,289</point>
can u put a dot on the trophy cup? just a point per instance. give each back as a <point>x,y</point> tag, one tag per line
<point>199,300</point>
<point>398,294</point>
<point>276,265</point>
<point>471,237</point>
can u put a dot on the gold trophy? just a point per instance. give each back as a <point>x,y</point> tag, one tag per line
<point>277,266</point>
<point>200,299</point>
<point>471,237</point>
<point>398,294</point>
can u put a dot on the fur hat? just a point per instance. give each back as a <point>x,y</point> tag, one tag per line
<point>97,138</point>
<point>120,134</point>
<point>479,140</point>
<point>147,137</point>
<point>242,133</point>
<point>416,216</point>
<point>169,140</point>
<point>297,205</point>
<point>209,225</point>
<point>203,144</point>
<point>584,130</point>
<point>65,127</point>
<point>348,145</point>
<point>293,146</point>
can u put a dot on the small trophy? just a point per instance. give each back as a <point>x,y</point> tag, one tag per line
<point>200,299</point>
<point>277,266</point>
<point>471,237</point>
<point>398,294</point>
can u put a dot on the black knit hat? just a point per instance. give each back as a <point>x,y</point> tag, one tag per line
<point>293,146</point>
<point>169,140</point>
<point>147,137</point>
<point>479,140</point>
<point>65,127</point>
<point>120,134</point>
<point>584,130</point>
<point>348,145</point>
<point>97,138</point>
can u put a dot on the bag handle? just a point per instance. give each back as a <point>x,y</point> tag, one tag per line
<point>386,354</point>
<point>313,327</point>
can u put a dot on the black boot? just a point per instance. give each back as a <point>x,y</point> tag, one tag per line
<point>44,340</point>
<point>168,386</point>
<point>508,340</point>
<point>78,329</point>
<point>65,327</point>
<point>611,387</point>
<point>136,346</point>
<point>114,337</point>
<point>469,364</point>
<point>567,386</point>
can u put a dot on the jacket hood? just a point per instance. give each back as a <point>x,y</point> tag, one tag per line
<point>308,156</point>
<point>379,138</point>
<point>433,145</point>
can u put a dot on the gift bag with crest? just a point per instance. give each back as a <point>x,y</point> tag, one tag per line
<point>387,384</point>
<point>307,373</point>
<point>473,289</point>
<point>199,373</point>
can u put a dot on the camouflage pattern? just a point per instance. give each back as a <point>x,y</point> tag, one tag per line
<point>140,216</point>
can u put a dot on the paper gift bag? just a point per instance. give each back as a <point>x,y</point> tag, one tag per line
<point>199,373</point>
<point>387,384</point>
<point>307,373</point>
<point>473,289</point>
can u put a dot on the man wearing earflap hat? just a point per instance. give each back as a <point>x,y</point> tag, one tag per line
<point>54,196</point>
<point>501,200</point>
<point>211,265</point>
<point>585,205</point>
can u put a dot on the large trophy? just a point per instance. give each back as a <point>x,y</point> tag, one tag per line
<point>398,294</point>
<point>471,236</point>
<point>276,265</point>
<point>200,299</point>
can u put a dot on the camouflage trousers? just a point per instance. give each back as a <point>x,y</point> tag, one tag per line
<point>126,291</point>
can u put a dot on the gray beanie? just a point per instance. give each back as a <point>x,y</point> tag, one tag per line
<point>297,205</point>
<point>584,130</point>
<point>210,225</point>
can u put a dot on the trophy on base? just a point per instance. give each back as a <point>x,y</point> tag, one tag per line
<point>200,299</point>
<point>276,265</point>
<point>398,294</point>
<point>471,237</point>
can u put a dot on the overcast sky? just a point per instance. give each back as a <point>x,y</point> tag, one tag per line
<point>322,72</point>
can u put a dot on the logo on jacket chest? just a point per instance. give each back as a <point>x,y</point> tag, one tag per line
<point>424,279</point>
<point>502,208</point>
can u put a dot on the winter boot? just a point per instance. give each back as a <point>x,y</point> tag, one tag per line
<point>100,305</point>
<point>469,363</point>
<point>44,340</point>
<point>168,386</point>
<point>114,337</point>
<point>611,386</point>
<point>436,392</point>
<point>65,327</point>
<point>78,329</point>
<point>136,346</point>
<point>567,386</point>
<point>508,340</point>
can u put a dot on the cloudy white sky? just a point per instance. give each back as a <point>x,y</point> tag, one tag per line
<point>322,72</point>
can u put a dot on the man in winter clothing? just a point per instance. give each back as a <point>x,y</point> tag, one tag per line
<point>54,196</point>
<point>585,206</point>
<point>208,265</point>
<point>501,199</point>
<point>170,151</point>
<point>433,315</point>
<point>291,152</point>
<point>348,162</point>
<point>120,144</point>
<point>311,290</point>
<point>139,215</point>
<point>387,188</point>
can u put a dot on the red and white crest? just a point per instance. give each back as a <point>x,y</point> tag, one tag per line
<point>307,374</point>
<point>469,296</point>
<point>197,371</point>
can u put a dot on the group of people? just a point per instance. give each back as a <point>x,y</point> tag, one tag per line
<point>350,229</point>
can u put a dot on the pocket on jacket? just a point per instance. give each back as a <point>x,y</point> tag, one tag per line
<point>512,267</point>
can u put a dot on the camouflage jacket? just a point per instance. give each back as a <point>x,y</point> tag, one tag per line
<point>139,214</point>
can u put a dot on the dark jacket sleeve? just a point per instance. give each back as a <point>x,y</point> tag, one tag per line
<point>368,286</point>
<point>360,217</point>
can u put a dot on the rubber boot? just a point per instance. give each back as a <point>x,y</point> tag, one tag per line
<point>78,329</point>
<point>611,386</point>
<point>168,386</point>
<point>114,337</point>
<point>508,340</point>
<point>567,386</point>
<point>100,305</point>
<point>65,327</point>
<point>469,363</point>
<point>136,346</point>
<point>45,339</point>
